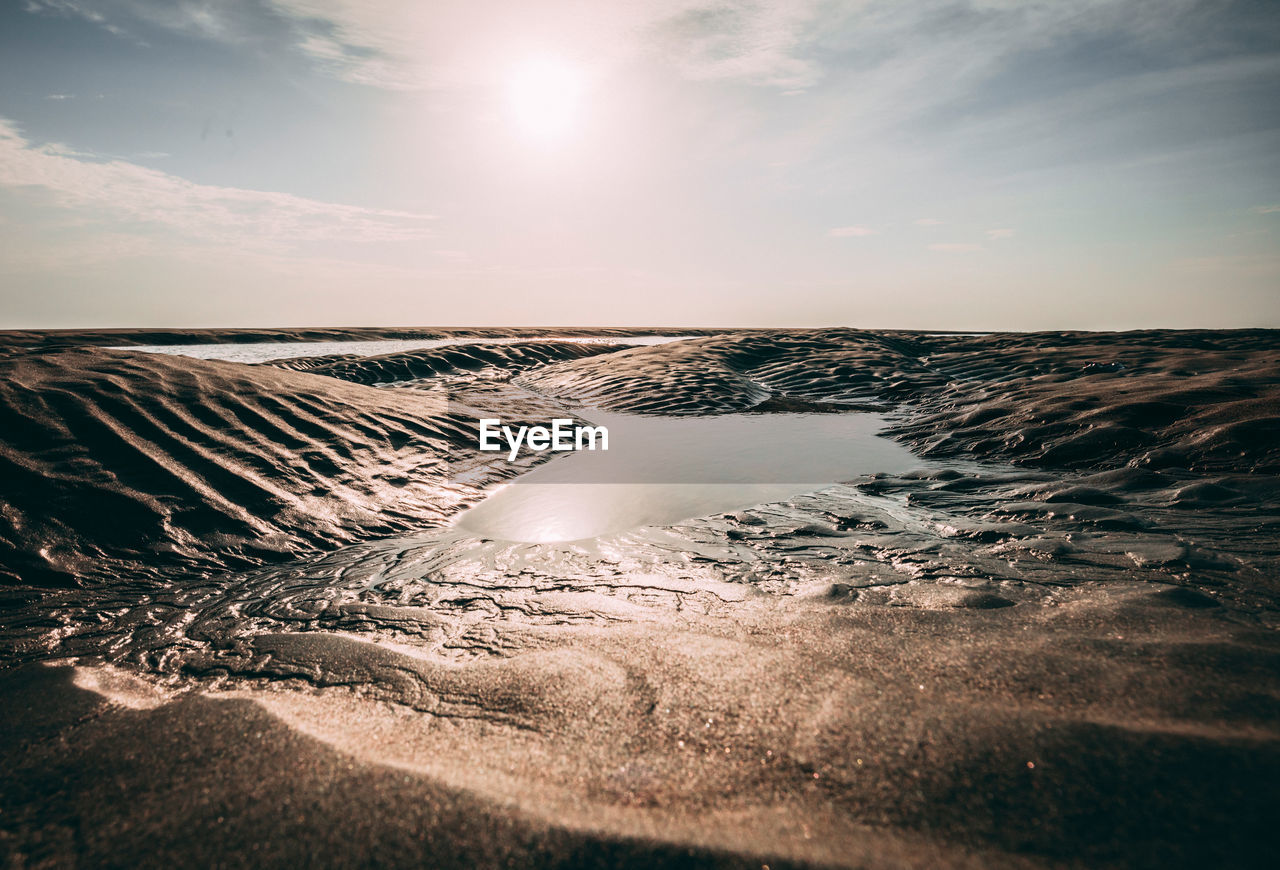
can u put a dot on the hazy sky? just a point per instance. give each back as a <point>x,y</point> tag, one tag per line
<point>953,164</point>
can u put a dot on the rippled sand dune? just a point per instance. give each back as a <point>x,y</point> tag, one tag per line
<point>240,625</point>
<point>121,462</point>
<point>415,365</point>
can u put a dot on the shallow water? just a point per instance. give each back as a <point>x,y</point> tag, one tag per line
<point>256,352</point>
<point>661,470</point>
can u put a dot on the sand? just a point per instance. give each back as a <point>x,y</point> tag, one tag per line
<point>239,628</point>
<point>57,339</point>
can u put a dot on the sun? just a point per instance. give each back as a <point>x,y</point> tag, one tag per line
<point>544,97</point>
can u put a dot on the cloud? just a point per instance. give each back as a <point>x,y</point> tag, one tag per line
<point>955,248</point>
<point>849,232</point>
<point>930,49</point>
<point>410,44</point>
<point>1005,86</point>
<point>227,20</point>
<point>928,222</point>
<point>902,56</point>
<point>1000,234</point>
<point>116,192</point>
<point>460,42</point>
<point>61,97</point>
<point>759,42</point>
<point>1267,209</point>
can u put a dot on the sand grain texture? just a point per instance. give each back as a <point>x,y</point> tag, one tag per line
<point>239,629</point>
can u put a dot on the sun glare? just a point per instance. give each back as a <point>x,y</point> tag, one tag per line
<point>544,98</point>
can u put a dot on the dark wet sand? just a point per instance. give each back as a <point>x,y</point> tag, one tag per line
<point>238,630</point>
<point>57,339</point>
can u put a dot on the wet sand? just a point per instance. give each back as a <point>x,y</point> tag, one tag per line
<point>240,625</point>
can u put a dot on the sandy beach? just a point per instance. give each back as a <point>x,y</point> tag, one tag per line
<point>667,434</point>
<point>246,621</point>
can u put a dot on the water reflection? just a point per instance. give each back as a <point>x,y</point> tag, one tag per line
<point>660,470</point>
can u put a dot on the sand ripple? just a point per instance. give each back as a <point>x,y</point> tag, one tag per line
<point>123,463</point>
<point>1054,642</point>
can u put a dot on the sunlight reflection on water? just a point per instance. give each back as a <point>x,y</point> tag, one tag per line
<point>660,470</point>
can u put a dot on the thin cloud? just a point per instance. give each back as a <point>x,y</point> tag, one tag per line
<point>119,192</point>
<point>928,222</point>
<point>67,8</point>
<point>959,71</point>
<point>228,20</point>
<point>955,248</point>
<point>409,45</point>
<point>758,42</point>
<point>1267,209</point>
<point>995,235</point>
<point>849,232</point>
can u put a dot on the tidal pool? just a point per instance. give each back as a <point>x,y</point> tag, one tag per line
<point>661,470</point>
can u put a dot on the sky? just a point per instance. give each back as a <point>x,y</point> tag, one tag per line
<point>919,164</point>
